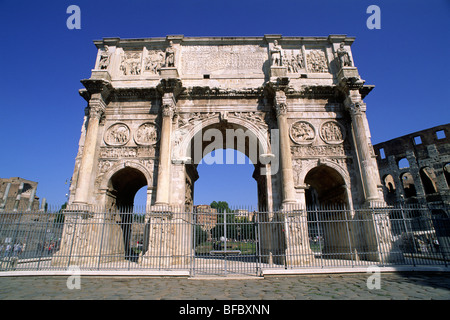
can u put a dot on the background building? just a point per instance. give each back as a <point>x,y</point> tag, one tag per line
<point>17,194</point>
<point>415,168</point>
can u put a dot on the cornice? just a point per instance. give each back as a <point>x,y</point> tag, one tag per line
<point>206,92</point>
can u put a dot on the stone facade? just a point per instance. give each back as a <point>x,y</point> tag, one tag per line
<point>415,168</point>
<point>17,194</point>
<point>148,99</point>
<point>298,101</point>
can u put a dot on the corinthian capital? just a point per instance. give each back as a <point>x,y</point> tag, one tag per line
<point>96,108</point>
<point>279,103</point>
<point>168,105</point>
<point>356,108</point>
<point>354,103</point>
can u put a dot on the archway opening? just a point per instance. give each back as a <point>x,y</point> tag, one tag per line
<point>326,200</point>
<point>390,189</point>
<point>447,173</point>
<point>428,180</point>
<point>226,161</point>
<point>408,185</point>
<point>224,199</point>
<point>226,175</point>
<point>123,188</point>
<point>326,188</point>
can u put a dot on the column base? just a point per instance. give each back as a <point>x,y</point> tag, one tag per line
<point>161,207</point>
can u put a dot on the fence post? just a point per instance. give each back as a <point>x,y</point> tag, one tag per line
<point>73,238</point>
<point>194,242</point>
<point>40,255</point>
<point>101,240</point>
<point>348,234</point>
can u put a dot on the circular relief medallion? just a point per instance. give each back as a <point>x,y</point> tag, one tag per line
<point>117,135</point>
<point>332,132</point>
<point>302,132</point>
<point>147,134</point>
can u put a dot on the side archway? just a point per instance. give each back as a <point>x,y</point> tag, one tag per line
<point>327,195</point>
<point>121,183</point>
<point>326,187</point>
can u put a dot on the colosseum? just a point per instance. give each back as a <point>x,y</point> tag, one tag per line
<point>415,168</point>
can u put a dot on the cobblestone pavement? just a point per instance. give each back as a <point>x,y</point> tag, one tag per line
<point>397,286</point>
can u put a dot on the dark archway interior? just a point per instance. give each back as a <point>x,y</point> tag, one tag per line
<point>426,175</point>
<point>327,187</point>
<point>326,226</point>
<point>124,185</point>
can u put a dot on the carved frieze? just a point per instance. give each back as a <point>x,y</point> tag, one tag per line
<point>316,61</point>
<point>116,135</point>
<point>127,152</point>
<point>189,119</point>
<point>131,63</point>
<point>104,166</point>
<point>293,61</point>
<point>147,134</point>
<point>104,59</point>
<point>153,61</point>
<point>302,132</point>
<point>253,117</point>
<point>332,132</point>
<point>317,151</point>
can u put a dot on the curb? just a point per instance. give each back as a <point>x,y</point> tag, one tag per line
<point>114,273</point>
<point>368,269</point>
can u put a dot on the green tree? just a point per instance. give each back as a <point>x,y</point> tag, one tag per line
<point>221,206</point>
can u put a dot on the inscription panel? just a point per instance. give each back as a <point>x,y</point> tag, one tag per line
<point>224,59</point>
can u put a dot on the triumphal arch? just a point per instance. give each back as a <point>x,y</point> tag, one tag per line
<point>293,105</point>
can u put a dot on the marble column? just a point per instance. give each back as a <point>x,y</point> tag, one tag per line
<point>96,110</point>
<point>163,186</point>
<point>367,163</point>
<point>288,191</point>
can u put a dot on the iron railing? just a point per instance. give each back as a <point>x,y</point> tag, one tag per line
<point>238,242</point>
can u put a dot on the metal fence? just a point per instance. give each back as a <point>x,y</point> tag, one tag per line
<point>238,242</point>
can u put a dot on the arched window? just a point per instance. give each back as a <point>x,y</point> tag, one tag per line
<point>428,180</point>
<point>447,173</point>
<point>408,185</point>
<point>403,163</point>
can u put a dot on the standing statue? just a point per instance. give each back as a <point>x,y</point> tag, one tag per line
<point>343,56</point>
<point>276,54</point>
<point>104,59</point>
<point>170,55</point>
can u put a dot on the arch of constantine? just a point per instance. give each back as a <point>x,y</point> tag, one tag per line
<point>156,106</point>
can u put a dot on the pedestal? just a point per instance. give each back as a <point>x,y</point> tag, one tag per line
<point>278,71</point>
<point>169,73</point>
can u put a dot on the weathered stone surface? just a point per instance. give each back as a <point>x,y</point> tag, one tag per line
<point>415,168</point>
<point>297,100</point>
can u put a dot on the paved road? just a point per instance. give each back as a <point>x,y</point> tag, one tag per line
<point>397,286</point>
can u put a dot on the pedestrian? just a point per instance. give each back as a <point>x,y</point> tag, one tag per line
<point>436,245</point>
<point>8,250</point>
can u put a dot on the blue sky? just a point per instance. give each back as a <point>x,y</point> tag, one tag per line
<point>43,63</point>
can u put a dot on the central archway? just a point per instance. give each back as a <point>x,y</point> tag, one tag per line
<point>215,133</point>
<point>230,179</point>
